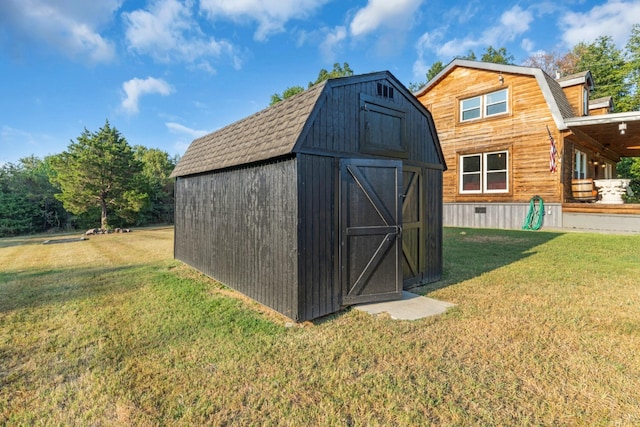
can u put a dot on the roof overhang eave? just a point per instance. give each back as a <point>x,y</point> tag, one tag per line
<point>607,131</point>
<point>602,119</point>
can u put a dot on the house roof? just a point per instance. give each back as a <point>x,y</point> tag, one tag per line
<point>583,77</point>
<point>267,134</point>
<point>552,91</point>
<point>604,102</point>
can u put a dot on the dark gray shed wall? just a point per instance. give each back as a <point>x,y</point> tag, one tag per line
<point>239,226</point>
<point>433,230</point>
<point>319,292</point>
<point>336,127</point>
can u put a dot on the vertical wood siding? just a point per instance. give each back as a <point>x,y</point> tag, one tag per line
<point>433,229</point>
<point>319,290</point>
<point>240,227</point>
<point>336,129</point>
<point>497,215</point>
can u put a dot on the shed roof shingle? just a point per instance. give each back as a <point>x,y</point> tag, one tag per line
<point>269,133</point>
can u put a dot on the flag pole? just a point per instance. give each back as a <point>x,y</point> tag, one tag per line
<point>552,152</point>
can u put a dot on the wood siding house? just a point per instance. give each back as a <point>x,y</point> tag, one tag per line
<point>495,124</point>
<point>329,198</point>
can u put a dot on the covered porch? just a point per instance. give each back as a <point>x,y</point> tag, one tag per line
<point>595,199</point>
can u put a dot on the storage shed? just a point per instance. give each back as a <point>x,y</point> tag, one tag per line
<point>329,198</point>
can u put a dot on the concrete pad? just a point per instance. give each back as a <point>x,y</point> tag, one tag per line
<point>410,307</point>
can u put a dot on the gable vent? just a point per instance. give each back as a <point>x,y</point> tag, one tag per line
<point>385,91</point>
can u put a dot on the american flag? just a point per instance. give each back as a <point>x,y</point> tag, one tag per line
<point>552,153</point>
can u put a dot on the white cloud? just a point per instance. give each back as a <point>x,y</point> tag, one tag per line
<point>466,15</point>
<point>14,142</point>
<point>185,135</point>
<point>391,15</point>
<point>614,18</point>
<point>425,43</point>
<point>527,45</point>
<point>270,15</point>
<point>387,22</point>
<point>11,135</point>
<point>69,26</point>
<point>180,129</point>
<point>457,47</point>
<point>513,23</point>
<point>331,42</point>
<point>135,88</point>
<point>167,31</point>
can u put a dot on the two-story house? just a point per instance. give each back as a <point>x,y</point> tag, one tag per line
<point>509,133</point>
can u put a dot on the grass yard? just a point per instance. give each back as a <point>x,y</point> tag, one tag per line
<point>112,331</point>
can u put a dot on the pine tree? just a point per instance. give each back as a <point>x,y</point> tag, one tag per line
<point>99,170</point>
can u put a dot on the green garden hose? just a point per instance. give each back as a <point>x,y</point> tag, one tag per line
<point>533,221</point>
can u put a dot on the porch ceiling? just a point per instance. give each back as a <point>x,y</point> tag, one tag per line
<point>605,130</point>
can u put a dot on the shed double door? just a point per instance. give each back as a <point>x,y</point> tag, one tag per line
<point>370,230</point>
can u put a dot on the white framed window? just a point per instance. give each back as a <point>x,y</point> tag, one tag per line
<point>487,105</point>
<point>608,170</point>
<point>585,101</point>
<point>495,172</point>
<point>471,174</point>
<point>470,108</point>
<point>580,165</point>
<point>484,173</point>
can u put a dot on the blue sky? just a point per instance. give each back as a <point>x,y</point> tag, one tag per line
<point>167,71</point>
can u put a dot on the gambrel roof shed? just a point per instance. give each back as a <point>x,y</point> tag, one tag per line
<point>326,199</point>
<point>270,133</point>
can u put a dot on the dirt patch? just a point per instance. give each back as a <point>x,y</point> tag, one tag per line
<point>74,239</point>
<point>492,239</point>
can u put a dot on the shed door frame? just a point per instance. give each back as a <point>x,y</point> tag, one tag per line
<point>372,273</point>
<point>413,225</point>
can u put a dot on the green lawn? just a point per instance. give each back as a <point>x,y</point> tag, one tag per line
<point>112,331</point>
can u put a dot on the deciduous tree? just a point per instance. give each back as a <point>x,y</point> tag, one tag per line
<point>157,166</point>
<point>27,202</point>
<point>553,63</point>
<point>499,56</point>
<point>607,66</point>
<point>337,71</point>
<point>632,101</point>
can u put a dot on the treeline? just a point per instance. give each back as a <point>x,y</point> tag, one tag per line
<point>99,181</point>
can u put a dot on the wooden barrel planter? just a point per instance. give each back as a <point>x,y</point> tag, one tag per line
<point>583,190</point>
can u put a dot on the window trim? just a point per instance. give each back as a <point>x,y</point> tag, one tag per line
<point>484,105</point>
<point>581,158</point>
<point>462,174</point>
<point>483,173</point>
<point>487,172</point>
<point>464,110</point>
